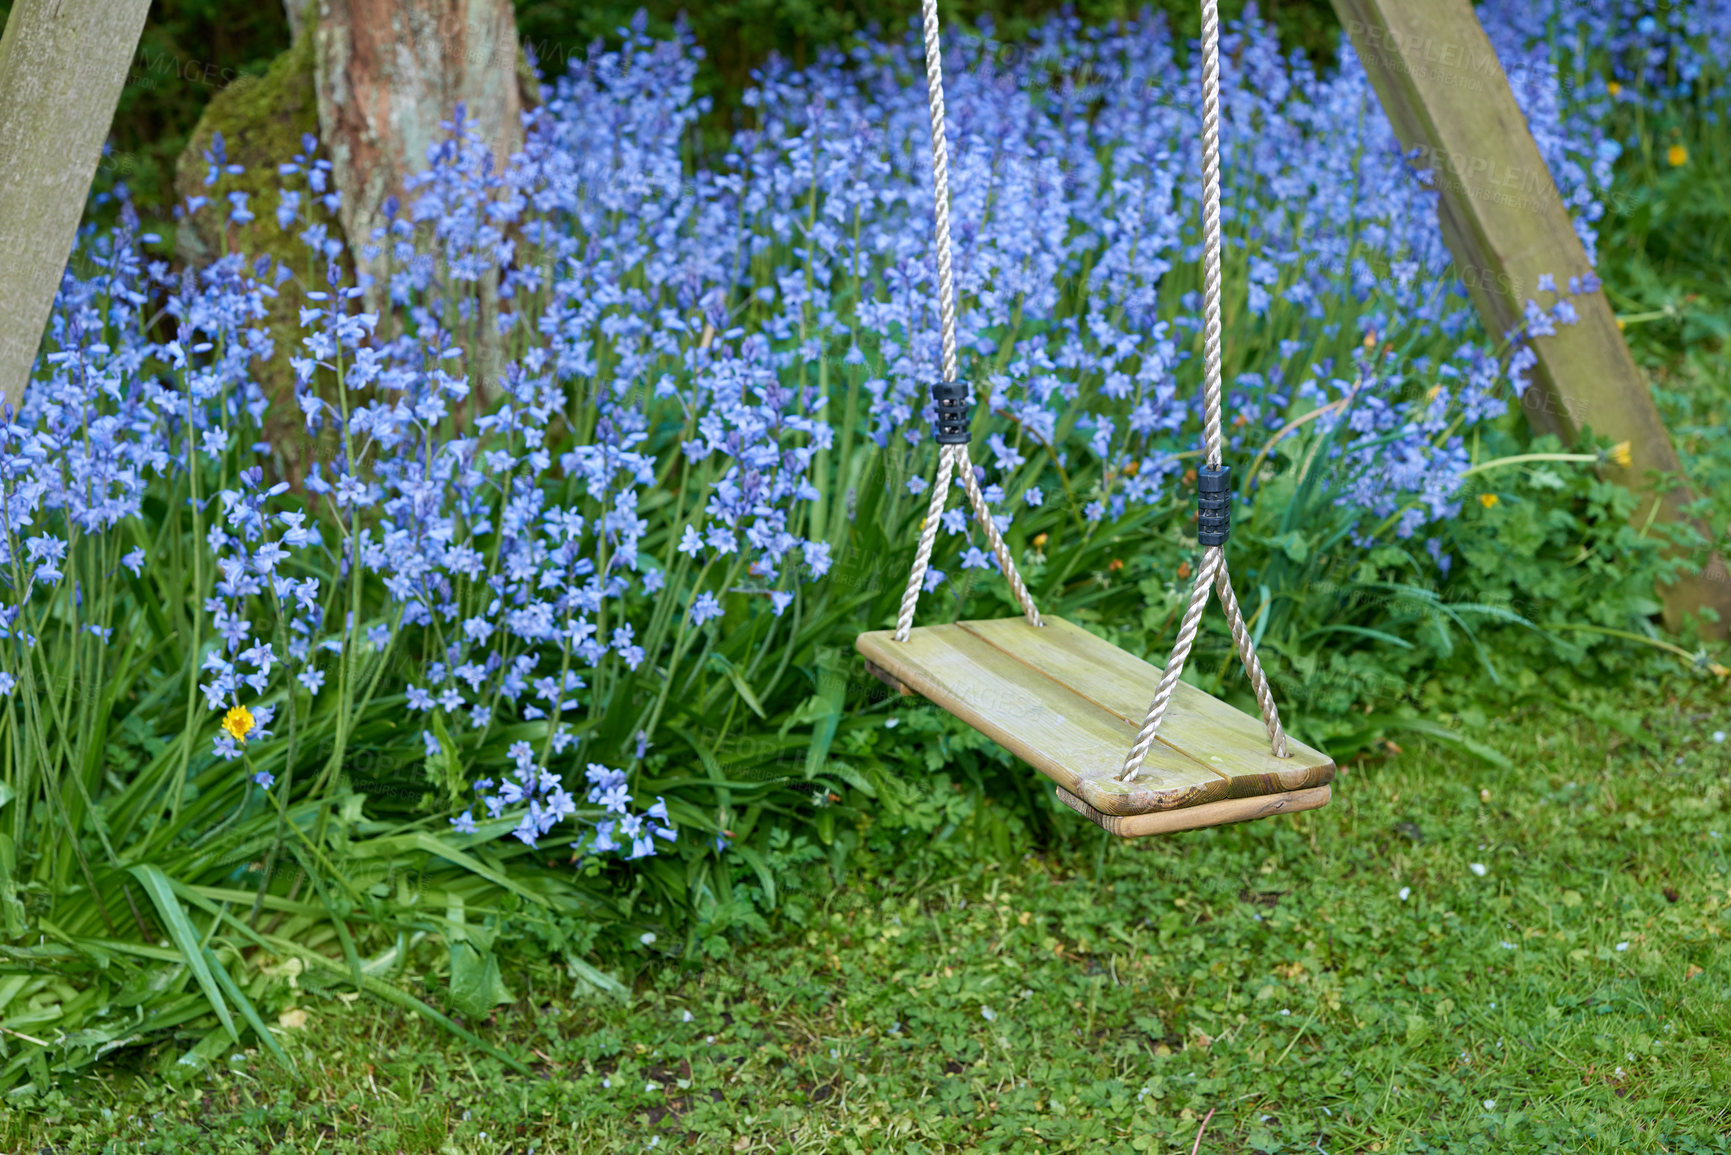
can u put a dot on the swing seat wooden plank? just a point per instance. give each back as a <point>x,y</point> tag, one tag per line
<point>1196,817</point>
<point>1070,704</point>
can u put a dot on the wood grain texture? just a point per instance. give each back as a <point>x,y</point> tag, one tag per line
<point>1070,704</point>
<point>63,64</point>
<point>1203,727</point>
<point>1444,91</point>
<point>1196,817</point>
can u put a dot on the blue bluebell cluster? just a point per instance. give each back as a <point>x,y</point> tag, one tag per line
<point>1657,53</point>
<point>489,369</point>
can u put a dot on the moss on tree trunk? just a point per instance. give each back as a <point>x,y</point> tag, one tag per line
<point>262,122</point>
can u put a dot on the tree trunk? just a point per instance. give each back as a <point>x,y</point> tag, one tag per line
<point>62,66</point>
<point>390,71</point>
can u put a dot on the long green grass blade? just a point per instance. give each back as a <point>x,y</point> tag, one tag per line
<point>161,891</point>
<point>425,841</point>
<point>287,949</point>
<point>248,1011</point>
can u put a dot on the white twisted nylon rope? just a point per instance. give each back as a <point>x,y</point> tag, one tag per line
<point>954,458</point>
<point>1212,571</point>
<point>951,458</point>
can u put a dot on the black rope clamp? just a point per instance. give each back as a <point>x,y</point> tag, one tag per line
<point>951,426</point>
<point>1213,504</point>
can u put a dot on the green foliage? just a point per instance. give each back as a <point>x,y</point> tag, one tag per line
<point>814,772</point>
<point>1344,977</point>
<point>1665,274</point>
<point>1545,573</point>
<point>194,50</point>
<point>737,35</point>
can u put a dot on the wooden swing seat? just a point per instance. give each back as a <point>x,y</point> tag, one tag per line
<point>1070,705</point>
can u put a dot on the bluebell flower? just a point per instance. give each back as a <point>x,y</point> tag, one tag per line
<point>705,608</point>
<point>517,565</point>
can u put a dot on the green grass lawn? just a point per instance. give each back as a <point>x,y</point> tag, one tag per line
<point>1453,956</point>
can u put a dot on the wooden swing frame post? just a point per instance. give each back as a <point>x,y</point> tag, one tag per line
<point>63,64</point>
<point>1445,93</point>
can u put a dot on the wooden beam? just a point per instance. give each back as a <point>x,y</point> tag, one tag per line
<point>1444,91</point>
<point>62,66</point>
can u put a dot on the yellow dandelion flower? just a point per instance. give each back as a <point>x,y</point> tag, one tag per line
<point>238,722</point>
<point>1487,499</point>
<point>1613,88</point>
<point>1039,541</point>
<point>1620,454</point>
<point>1677,155</point>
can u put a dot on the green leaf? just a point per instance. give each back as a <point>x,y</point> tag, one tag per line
<point>832,690</point>
<point>248,1011</point>
<point>720,662</point>
<point>599,979</point>
<point>206,1049</point>
<point>764,876</point>
<point>445,765</point>
<point>180,931</point>
<point>1383,723</point>
<point>476,986</point>
<point>1294,545</point>
<point>1546,479</point>
<point>285,947</point>
<point>11,906</point>
<point>440,847</point>
<point>1363,632</point>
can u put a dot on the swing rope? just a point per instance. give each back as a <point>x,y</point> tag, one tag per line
<point>1214,478</point>
<point>953,454</point>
